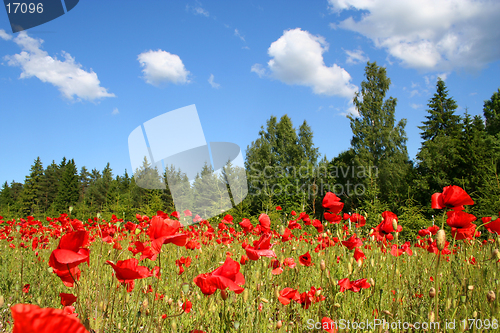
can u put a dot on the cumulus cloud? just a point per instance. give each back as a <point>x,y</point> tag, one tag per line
<point>115,112</point>
<point>415,106</point>
<point>212,83</point>
<point>4,35</point>
<point>355,56</point>
<point>429,34</point>
<point>259,70</point>
<point>161,66</point>
<point>297,58</point>
<point>66,75</point>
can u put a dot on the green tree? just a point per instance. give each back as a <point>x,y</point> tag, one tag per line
<point>50,185</point>
<point>491,110</point>
<point>378,143</point>
<point>31,194</point>
<point>438,161</point>
<point>69,188</point>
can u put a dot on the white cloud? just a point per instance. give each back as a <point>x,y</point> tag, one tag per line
<point>162,66</point>
<point>4,35</point>
<point>212,83</point>
<point>414,92</point>
<point>257,68</point>
<point>67,75</point>
<point>429,34</point>
<point>237,34</point>
<point>197,9</point>
<point>115,111</point>
<point>355,56</point>
<point>415,106</point>
<point>297,58</point>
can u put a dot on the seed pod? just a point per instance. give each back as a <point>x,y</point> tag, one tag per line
<point>372,282</point>
<point>432,316</point>
<point>1,301</point>
<point>223,294</point>
<point>394,225</point>
<point>322,265</point>
<point>490,296</point>
<point>432,293</point>
<point>441,239</point>
<point>265,300</point>
<point>170,301</point>
<point>496,254</point>
<point>279,324</point>
<point>245,295</point>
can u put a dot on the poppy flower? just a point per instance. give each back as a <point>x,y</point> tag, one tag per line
<point>354,286</point>
<point>491,225</point>
<point>358,219</point>
<point>164,231</point>
<point>226,276</point>
<point>287,295</point>
<point>278,207</point>
<point>332,218</point>
<point>265,223</point>
<point>459,219</point>
<point>286,235</point>
<point>246,225</point>
<point>67,299</point>
<point>329,325</point>
<point>289,262</point>
<point>69,254</point>
<point>187,306</point>
<point>261,248</point>
<point>127,271</point>
<point>453,197</point>
<point>332,203</point>
<point>307,298</point>
<point>352,242</point>
<point>359,255</point>
<point>31,318</point>
<point>464,233</point>
<point>305,259</point>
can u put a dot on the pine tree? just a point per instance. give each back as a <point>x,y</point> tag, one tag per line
<point>69,188</point>
<point>378,143</point>
<point>491,110</point>
<point>50,185</point>
<point>6,199</point>
<point>439,157</point>
<point>31,195</point>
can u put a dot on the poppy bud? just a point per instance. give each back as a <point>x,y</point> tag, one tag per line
<point>1,301</point>
<point>496,254</point>
<point>432,293</point>
<point>448,304</point>
<point>145,304</point>
<point>394,225</point>
<point>432,317</point>
<point>490,296</point>
<point>245,295</point>
<point>440,239</point>
<point>236,325</point>
<point>223,294</point>
<point>471,288</point>
<point>170,301</point>
<point>264,300</point>
<point>387,313</point>
<point>372,282</point>
<point>322,265</point>
<point>349,268</point>
<point>337,305</point>
<point>279,324</point>
<point>174,326</point>
<point>474,314</point>
<point>318,292</point>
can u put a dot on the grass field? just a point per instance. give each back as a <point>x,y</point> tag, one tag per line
<point>291,274</point>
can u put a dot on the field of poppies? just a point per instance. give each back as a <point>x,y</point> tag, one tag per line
<point>292,274</point>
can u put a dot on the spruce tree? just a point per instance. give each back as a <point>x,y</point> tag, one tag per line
<point>31,194</point>
<point>68,193</point>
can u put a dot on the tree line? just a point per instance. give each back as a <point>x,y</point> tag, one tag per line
<point>284,168</point>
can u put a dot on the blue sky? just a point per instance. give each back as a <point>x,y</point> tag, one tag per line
<point>78,86</point>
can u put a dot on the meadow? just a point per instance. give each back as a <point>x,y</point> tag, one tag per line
<point>289,274</point>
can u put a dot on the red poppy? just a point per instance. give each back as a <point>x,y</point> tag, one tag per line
<point>286,235</point>
<point>278,207</point>
<point>352,242</point>
<point>164,231</point>
<point>307,298</point>
<point>31,318</point>
<point>69,254</point>
<point>354,286</point>
<point>187,306</point>
<point>261,248</point>
<point>305,259</point>
<point>246,225</point>
<point>26,288</point>
<point>228,219</point>
<point>385,228</point>
<point>459,219</point>
<point>332,203</point>
<point>492,225</point>
<point>289,262</point>
<point>226,276</point>
<point>332,218</point>
<point>453,197</point>
<point>359,255</point>
<point>329,325</point>
<point>265,223</point>
<point>127,271</point>
<point>67,299</point>
<point>359,219</point>
<point>464,233</point>
<point>287,295</point>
